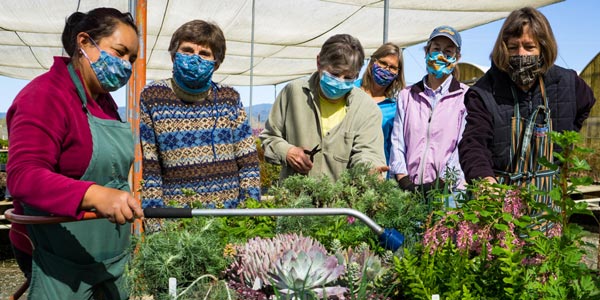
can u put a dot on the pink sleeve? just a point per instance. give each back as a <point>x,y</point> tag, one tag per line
<point>40,128</point>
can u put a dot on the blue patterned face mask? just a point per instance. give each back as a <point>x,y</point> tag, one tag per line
<point>382,76</point>
<point>333,87</point>
<point>192,73</point>
<point>439,64</point>
<point>112,72</point>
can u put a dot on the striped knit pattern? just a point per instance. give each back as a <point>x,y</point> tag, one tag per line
<point>202,146</point>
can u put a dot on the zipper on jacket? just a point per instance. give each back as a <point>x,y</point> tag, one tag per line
<point>422,164</point>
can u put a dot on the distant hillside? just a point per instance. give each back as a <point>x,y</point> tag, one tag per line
<point>260,112</point>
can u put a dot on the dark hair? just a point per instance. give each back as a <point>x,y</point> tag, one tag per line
<point>342,50</point>
<point>97,23</point>
<point>201,33</point>
<point>514,27</point>
<point>383,51</point>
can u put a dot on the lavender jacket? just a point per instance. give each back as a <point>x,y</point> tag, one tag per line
<point>425,136</point>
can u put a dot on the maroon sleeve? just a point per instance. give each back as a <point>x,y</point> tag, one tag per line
<point>585,101</point>
<point>474,148</point>
<point>42,127</point>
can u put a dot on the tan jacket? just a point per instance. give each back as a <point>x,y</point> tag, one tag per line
<point>295,120</point>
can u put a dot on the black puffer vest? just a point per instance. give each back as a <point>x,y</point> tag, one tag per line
<point>495,90</point>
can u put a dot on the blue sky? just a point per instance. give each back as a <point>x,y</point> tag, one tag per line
<point>573,21</point>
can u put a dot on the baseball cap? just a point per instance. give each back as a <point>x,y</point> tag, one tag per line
<point>448,32</point>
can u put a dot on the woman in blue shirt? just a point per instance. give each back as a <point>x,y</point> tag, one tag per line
<point>383,78</point>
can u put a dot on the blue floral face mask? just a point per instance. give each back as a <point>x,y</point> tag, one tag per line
<point>192,73</point>
<point>439,64</point>
<point>333,87</point>
<point>112,72</point>
<point>382,76</point>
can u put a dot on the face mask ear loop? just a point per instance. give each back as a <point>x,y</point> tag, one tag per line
<point>94,42</point>
<point>83,51</point>
<point>85,54</point>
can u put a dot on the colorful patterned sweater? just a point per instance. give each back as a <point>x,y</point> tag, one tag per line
<point>201,144</point>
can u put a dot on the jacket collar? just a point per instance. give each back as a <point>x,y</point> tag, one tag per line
<point>419,87</point>
<point>502,83</point>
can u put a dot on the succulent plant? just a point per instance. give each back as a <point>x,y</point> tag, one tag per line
<point>255,259</point>
<point>303,275</point>
<point>246,293</point>
<point>364,267</point>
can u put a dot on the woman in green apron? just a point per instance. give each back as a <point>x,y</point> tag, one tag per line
<point>71,152</point>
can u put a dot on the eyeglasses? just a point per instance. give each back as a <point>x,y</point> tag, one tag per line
<point>387,66</point>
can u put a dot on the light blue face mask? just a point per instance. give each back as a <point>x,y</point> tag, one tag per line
<point>333,87</point>
<point>112,72</point>
<point>192,73</point>
<point>439,64</point>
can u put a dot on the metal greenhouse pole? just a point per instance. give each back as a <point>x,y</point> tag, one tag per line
<point>386,17</point>
<point>251,63</point>
<point>134,88</point>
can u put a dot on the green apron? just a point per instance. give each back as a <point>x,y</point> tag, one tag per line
<point>86,259</point>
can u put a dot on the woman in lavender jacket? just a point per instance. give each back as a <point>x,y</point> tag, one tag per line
<point>430,120</point>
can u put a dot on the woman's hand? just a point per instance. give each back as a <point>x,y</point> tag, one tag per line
<point>380,170</point>
<point>298,160</point>
<point>491,180</point>
<point>115,205</point>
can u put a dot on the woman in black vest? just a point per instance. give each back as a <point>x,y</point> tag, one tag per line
<point>514,106</point>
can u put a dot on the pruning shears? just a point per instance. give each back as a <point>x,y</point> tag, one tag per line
<point>311,153</point>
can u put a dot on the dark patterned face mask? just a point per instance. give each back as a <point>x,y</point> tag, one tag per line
<point>524,69</point>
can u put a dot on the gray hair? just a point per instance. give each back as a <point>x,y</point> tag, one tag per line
<point>342,50</point>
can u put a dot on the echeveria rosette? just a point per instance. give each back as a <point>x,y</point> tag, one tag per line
<point>304,273</point>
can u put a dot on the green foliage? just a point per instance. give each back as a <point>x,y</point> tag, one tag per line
<point>269,173</point>
<point>380,200</point>
<point>3,157</point>
<point>207,287</point>
<point>366,273</point>
<point>493,247</point>
<point>185,251</point>
<point>593,159</point>
<point>189,248</point>
<point>241,229</point>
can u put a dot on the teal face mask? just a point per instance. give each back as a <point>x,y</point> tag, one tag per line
<point>193,73</point>
<point>439,64</point>
<point>333,87</point>
<point>112,72</point>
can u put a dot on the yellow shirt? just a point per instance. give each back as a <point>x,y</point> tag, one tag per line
<point>332,113</point>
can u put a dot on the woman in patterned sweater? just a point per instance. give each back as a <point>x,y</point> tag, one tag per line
<point>197,143</point>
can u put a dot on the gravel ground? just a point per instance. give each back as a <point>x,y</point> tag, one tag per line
<point>11,278</point>
<point>591,260</point>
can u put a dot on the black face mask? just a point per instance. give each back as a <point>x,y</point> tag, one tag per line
<point>524,69</point>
